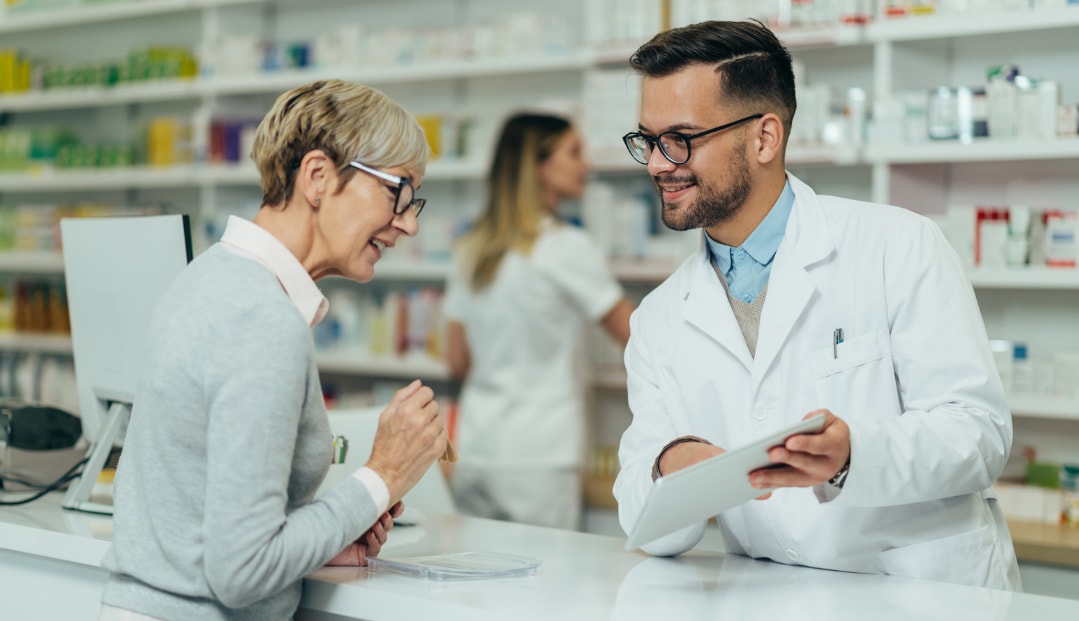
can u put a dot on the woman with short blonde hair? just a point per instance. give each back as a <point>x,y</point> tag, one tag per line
<point>215,508</point>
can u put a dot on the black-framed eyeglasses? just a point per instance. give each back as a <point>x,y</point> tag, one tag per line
<point>674,146</point>
<point>406,194</point>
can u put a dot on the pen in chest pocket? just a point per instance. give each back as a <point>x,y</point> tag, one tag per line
<point>837,338</point>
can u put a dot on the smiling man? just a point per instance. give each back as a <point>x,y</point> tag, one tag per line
<point>798,304</point>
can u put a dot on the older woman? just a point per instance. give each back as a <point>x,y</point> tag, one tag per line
<point>215,508</point>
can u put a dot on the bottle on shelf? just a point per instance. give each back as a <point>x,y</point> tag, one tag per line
<point>1022,370</point>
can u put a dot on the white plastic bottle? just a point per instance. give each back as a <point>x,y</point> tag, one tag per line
<point>1003,103</point>
<point>1022,370</point>
<point>1017,248</point>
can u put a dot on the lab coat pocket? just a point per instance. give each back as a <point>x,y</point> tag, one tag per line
<point>856,377</point>
<point>852,353</point>
<point>966,558</point>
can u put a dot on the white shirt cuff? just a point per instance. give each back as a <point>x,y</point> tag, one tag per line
<point>375,486</point>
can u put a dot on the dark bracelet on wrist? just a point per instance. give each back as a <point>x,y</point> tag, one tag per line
<point>840,477</point>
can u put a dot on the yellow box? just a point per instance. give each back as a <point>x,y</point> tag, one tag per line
<point>432,130</point>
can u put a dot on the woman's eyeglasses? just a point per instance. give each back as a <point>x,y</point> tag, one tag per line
<point>406,194</point>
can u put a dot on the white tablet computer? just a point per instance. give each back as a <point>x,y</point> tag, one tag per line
<point>705,489</point>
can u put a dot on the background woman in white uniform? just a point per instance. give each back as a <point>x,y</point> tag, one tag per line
<point>523,288</point>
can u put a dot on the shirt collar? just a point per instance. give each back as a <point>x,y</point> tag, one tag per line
<point>248,239</point>
<point>763,243</point>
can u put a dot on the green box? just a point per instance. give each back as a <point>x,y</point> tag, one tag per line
<point>1043,475</point>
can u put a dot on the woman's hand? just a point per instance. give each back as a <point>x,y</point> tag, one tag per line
<point>411,435</point>
<point>370,543</point>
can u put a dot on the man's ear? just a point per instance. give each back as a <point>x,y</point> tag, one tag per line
<point>769,138</point>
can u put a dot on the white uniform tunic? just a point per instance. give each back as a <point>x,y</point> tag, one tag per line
<point>522,404</point>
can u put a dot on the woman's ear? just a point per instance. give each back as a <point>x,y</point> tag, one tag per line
<point>316,174</point>
<point>769,139</point>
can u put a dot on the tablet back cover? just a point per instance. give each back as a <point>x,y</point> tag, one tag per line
<point>705,489</point>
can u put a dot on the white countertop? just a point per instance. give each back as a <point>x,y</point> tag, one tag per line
<point>582,576</point>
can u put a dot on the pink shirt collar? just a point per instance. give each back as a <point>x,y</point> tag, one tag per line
<point>248,239</point>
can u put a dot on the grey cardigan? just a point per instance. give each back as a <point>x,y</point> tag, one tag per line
<point>215,516</point>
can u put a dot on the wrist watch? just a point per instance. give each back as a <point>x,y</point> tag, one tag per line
<point>840,477</point>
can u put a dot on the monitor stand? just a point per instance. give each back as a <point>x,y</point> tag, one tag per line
<point>78,494</point>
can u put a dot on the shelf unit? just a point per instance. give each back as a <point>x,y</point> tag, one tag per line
<point>358,363</point>
<point>81,15</point>
<point>31,262</point>
<point>914,52</point>
<point>612,377</point>
<point>36,343</point>
<point>1022,405</point>
<point>146,177</point>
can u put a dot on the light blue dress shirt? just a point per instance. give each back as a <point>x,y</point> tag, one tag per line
<point>747,267</point>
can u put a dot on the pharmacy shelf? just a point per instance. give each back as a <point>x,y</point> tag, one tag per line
<point>246,174</point>
<point>624,269</point>
<point>231,174</point>
<point>335,361</point>
<point>1045,543</point>
<point>823,36</point>
<point>133,177</point>
<point>417,271</point>
<point>612,52</point>
<point>985,150</point>
<point>98,96</point>
<point>31,262</point>
<point>36,343</point>
<point>950,25</point>
<point>618,52</point>
<point>823,155</point>
<point>613,377</point>
<point>142,177</point>
<point>472,168</point>
<point>361,363</point>
<point>627,270</point>
<point>1044,406</point>
<point>1024,278</point>
<point>599,492</point>
<point>913,28</point>
<point>615,160</point>
<point>646,270</point>
<point>29,20</point>
<point>422,71</point>
<point>280,81</point>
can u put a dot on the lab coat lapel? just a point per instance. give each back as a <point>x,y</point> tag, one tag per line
<point>707,308</point>
<point>807,241</point>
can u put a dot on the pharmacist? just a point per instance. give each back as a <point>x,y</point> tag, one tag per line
<point>799,303</point>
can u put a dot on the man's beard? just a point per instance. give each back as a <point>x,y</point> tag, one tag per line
<point>713,205</point>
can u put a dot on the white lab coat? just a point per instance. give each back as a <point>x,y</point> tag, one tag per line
<point>914,379</point>
<point>523,402</point>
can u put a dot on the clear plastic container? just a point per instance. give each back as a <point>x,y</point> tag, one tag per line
<point>458,566</point>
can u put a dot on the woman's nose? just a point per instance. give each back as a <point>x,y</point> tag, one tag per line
<point>407,222</point>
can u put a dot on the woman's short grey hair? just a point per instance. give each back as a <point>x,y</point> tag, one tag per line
<point>347,122</point>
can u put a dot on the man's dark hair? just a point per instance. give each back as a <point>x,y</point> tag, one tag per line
<point>754,68</point>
